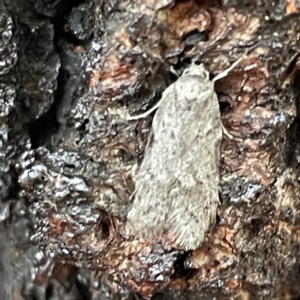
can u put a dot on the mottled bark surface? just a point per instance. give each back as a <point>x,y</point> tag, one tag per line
<point>71,74</point>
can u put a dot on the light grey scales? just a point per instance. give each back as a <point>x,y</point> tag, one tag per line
<point>177,185</point>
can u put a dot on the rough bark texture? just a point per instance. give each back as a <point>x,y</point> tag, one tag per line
<point>71,74</point>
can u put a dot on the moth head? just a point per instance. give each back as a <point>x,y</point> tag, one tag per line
<point>198,70</point>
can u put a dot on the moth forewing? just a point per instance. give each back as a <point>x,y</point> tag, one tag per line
<point>177,184</point>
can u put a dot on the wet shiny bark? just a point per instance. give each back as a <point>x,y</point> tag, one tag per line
<point>71,74</point>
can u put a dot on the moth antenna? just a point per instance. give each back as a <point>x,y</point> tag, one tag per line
<point>228,70</point>
<point>145,114</point>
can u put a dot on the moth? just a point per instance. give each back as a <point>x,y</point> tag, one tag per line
<point>177,186</point>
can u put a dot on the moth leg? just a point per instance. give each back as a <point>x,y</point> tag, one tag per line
<point>225,131</point>
<point>230,136</point>
<point>145,114</point>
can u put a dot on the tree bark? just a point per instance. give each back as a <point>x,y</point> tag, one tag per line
<point>72,74</point>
